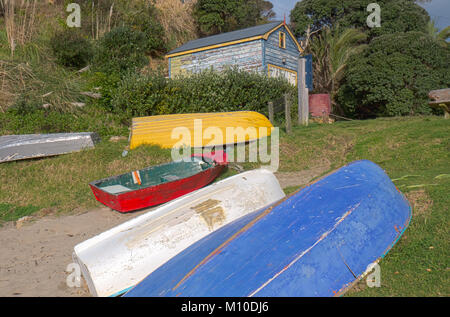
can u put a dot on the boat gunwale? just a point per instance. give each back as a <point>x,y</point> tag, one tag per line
<point>213,165</point>
<point>191,115</point>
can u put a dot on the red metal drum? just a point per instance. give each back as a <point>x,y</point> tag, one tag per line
<point>319,105</point>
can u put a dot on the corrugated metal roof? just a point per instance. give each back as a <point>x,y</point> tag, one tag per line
<point>226,37</point>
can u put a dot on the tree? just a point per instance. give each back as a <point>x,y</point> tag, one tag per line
<point>440,36</point>
<point>331,52</point>
<point>396,16</point>
<point>141,15</point>
<point>101,16</point>
<point>393,76</point>
<point>218,16</point>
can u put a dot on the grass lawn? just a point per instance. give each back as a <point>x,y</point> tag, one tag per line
<point>414,152</point>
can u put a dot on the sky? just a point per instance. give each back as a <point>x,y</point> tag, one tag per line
<point>439,10</point>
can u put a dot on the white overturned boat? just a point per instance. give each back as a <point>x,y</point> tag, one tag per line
<point>121,257</point>
<point>26,146</point>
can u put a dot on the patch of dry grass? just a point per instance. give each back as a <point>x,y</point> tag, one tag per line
<point>45,84</point>
<point>420,202</point>
<point>20,18</point>
<point>177,20</point>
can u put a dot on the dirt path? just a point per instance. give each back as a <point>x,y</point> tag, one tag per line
<point>34,257</point>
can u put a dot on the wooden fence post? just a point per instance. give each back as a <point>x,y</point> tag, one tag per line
<point>287,104</point>
<point>271,119</point>
<point>303,99</point>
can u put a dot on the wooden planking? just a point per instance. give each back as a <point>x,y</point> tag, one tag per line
<point>246,56</point>
<point>276,71</point>
<point>297,44</point>
<point>250,56</point>
<point>274,54</point>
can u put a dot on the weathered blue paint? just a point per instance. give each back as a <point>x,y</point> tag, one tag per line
<point>170,64</point>
<point>314,243</point>
<point>245,56</point>
<point>309,72</point>
<point>276,54</point>
<point>251,55</point>
<point>264,64</point>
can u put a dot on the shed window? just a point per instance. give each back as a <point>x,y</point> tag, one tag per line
<point>282,40</point>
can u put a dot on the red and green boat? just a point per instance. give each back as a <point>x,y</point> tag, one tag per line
<point>158,184</point>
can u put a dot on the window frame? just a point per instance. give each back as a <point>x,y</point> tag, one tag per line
<point>282,39</point>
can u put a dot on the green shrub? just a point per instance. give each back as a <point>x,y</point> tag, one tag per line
<point>22,106</point>
<point>121,50</point>
<point>71,49</point>
<point>218,16</point>
<point>25,117</point>
<point>107,83</point>
<point>139,95</point>
<point>393,76</point>
<point>142,16</point>
<point>396,16</point>
<point>231,90</point>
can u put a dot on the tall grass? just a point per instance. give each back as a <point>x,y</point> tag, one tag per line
<point>43,83</point>
<point>101,18</point>
<point>27,67</point>
<point>20,20</point>
<point>177,20</point>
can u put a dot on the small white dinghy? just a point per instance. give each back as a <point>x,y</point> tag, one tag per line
<point>121,257</point>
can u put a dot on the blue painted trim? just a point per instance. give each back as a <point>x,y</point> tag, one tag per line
<point>170,67</point>
<point>263,48</point>
<point>400,235</point>
<point>121,292</point>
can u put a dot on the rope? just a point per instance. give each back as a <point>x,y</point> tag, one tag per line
<point>341,117</point>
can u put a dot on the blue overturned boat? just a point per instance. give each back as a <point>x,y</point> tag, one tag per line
<point>317,242</point>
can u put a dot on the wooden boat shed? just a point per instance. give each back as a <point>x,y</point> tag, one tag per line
<point>269,48</point>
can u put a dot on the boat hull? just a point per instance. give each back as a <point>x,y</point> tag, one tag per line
<point>158,194</point>
<point>119,258</point>
<point>317,242</point>
<point>158,130</point>
<point>27,146</point>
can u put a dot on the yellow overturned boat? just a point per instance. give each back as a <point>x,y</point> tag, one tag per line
<point>199,129</point>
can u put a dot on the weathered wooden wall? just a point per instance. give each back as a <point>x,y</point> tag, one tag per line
<point>246,56</point>
<point>265,56</point>
<point>274,55</point>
